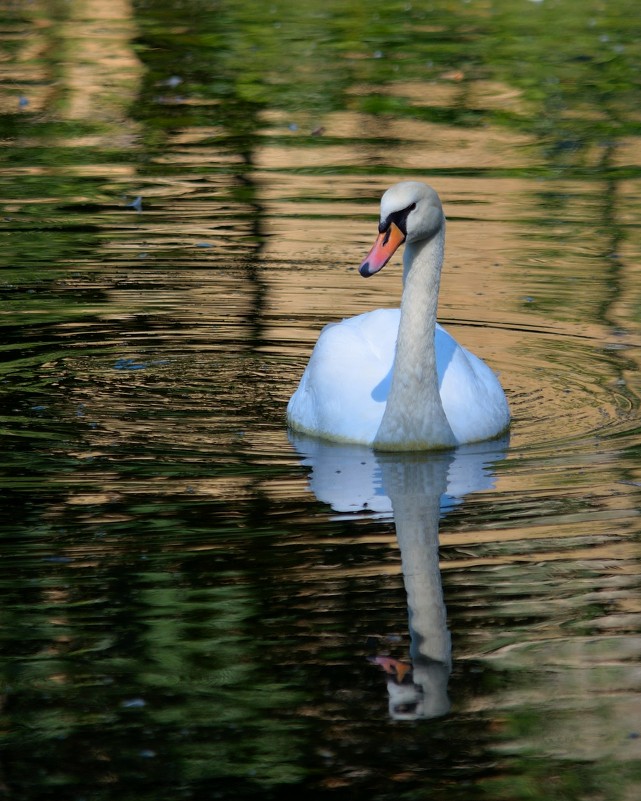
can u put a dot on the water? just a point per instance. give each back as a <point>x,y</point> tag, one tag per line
<point>195,604</point>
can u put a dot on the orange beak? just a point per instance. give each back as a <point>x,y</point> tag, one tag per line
<point>386,244</point>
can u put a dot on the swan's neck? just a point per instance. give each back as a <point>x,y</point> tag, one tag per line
<point>414,418</point>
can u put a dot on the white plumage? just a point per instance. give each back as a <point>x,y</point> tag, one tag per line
<point>395,379</point>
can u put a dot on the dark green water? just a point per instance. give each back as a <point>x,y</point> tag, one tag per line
<point>192,604</point>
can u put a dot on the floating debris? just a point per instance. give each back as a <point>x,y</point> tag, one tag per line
<point>132,364</point>
<point>134,703</point>
<point>129,364</point>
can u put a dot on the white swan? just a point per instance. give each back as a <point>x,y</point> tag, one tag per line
<point>395,379</point>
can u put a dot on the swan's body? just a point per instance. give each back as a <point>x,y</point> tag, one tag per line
<point>343,391</point>
<point>395,379</point>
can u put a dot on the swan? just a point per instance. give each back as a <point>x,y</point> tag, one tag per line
<point>394,379</point>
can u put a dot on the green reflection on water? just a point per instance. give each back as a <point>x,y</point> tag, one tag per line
<point>161,643</point>
<point>208,706</point>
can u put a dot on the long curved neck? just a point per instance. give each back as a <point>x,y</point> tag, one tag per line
<point>414,418</point>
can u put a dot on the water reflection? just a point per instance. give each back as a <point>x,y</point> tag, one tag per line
<point>178,621</point>
<point>415,489</point>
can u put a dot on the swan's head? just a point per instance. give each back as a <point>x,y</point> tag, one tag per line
<point>410,211</point>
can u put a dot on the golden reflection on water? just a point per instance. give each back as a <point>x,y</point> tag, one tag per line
<point>210,300</point>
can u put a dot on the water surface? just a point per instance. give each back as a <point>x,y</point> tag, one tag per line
<point>195,604</point>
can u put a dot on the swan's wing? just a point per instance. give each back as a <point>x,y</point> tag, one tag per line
<point>343,390</point>
<point>472,396</point>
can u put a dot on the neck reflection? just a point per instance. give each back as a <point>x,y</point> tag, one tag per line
<point>416,490</point>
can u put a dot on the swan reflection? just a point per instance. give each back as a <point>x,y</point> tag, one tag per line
<point>415,489</point>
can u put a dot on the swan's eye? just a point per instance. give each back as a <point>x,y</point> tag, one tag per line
<point>397,217</point>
